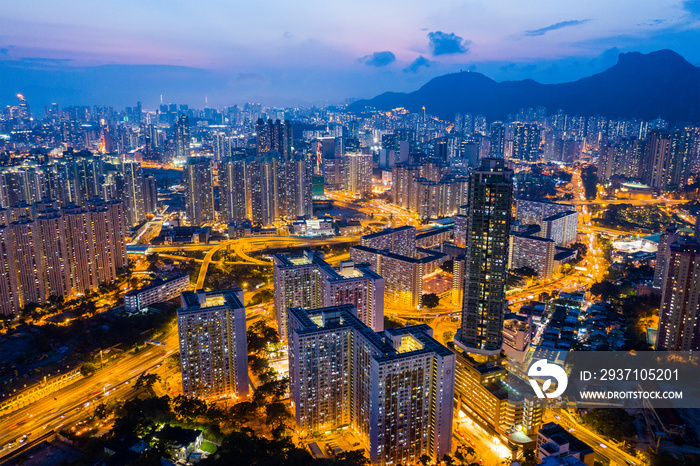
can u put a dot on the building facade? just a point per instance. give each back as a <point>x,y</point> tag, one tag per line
<point>213,347</point>
<point>394,388</point>
<point>307,281</point>
<point>486,257</point>
<point>679,329</point>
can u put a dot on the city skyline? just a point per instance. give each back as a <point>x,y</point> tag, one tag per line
<point>291,57</point>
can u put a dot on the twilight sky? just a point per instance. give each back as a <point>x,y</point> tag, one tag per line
<point>312,51</point>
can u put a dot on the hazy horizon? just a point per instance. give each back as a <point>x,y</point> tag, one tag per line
<point>281,54</point>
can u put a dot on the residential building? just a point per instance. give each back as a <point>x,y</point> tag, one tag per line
<point>486,257</point>
<point>394,389</point>
<point>199,190</point>
<point>213,347</point>
<point>667,238</point>
<point>494,398</point>
<point>403,275</point>
<point>309,282</point>
<point>554,440</point>
<point>534,252</point>
<point>680,299</point>
<point>401,240</point>
<point>157,292</point>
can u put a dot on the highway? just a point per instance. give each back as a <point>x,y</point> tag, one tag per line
<point>61,408</point>
<point>67,406</point>
<point>595,441</point>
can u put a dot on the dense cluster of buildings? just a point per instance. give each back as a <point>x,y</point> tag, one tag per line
<point>49,253</point>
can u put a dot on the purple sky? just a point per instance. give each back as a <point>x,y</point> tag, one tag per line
<point>314,52</point>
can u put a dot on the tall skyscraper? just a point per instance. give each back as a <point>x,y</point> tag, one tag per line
<point>133,192</point>
<point>498,140</point>
<point>358,172</point>
<point>309,282</point>
<point>666,239</point>
<point>213,347</point>
<point>526,142</point>
<point>280,188</point>
<point>486,257</point>
<point>657,158</point>
<point>264,193</point>
<point>274,136</point>
<point>199,190</point>
<point>233,176</point>
<point>679,326</point>
<point>182,137</point>
<point>59,252</point>
<point>394,388</point>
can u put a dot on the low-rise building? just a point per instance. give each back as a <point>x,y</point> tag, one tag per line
<point>157,292</point>
<point>555,441</point>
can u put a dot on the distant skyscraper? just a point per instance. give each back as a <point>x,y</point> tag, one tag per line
<point>679,327</point>
<point>395,389</point>
<point>488,229</point>
<point>526,142</point>
<point>264,188</point>
<point>182,137</point>
<point>233,176</point>
<point>498,140</point>
<point>59,253</point>
<point>657,158</point>
<point>133,192</point>
<point>199,190</point>
<point>358,172</point>
<point>666,239</point>
<point>274,136</point>
<point>213,347</point>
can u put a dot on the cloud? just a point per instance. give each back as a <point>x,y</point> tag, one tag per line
<point>418,63</point>
<point>442,43</point>
<point>692,6</point>
<point>555,26</point>
<point>379,59</point>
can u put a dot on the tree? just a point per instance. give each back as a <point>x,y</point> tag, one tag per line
<point>448,336</point>
<point>88,369</point>
<point>606,290</point>
<point>147,381</point>
<point>188,408</point>
<point>448,266</point>
<point>277,415</point>
<point>430,300</point>
<point>525,272</point>
<point>581,248</point>
<point>352,458</point>
<point>173,361</point>
<point>611,422</point>
<point>589,178</point>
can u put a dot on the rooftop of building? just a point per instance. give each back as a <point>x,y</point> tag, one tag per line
<point>392,344</point>
<point>155,284</point>
<point>435,231</point>
<point>559,215</point>
<point>389,231</point>
<point>199,300</point>
<point>560,436</point>
<point>428,254</point>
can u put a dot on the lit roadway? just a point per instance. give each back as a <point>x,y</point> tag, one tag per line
<point>610,450</point>
<point>46,414</point>
<point>65,407</point>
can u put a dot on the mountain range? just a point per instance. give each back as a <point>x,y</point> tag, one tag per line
<point>647,86</point>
